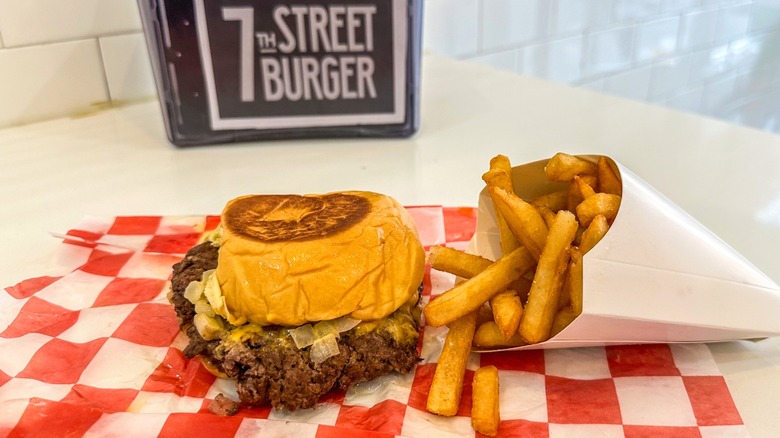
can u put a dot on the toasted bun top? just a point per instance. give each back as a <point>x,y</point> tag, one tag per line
<point>290,259</point>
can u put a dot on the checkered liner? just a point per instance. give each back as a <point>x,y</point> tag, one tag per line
<point>98,352</point>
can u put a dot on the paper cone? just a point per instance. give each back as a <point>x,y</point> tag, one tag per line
<point>657,275</point>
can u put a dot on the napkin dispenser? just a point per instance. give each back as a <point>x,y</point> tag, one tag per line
<point>229,71</point>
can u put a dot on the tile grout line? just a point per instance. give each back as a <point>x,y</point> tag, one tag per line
<point>103,65</point>
<point>73,39</point>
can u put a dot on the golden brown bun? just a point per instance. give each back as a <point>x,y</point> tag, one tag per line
<point>290,259</point>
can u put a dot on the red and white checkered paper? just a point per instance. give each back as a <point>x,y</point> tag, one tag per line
<point>97,352</point>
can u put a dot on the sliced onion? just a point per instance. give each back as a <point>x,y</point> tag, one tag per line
<point>345,323</point>
<point>324,348</point>
<point>193,291</point>
<point>324,328</point>
<point>303,336</point>
<point>307,335</point>
<point>203,306</point>
<point>209,328</point>
<point>207,274</point>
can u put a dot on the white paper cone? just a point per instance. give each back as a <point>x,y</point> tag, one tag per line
<point>657,275</point>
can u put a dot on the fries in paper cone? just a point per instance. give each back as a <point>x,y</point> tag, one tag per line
<point>639,270</point>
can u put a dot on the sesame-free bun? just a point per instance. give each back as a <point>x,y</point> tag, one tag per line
<point>291,259</point>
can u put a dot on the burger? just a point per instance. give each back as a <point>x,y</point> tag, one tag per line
<point>295,296</point>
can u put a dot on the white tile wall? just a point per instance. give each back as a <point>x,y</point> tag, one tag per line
<point>126,63</point>
<point>507,23</point>
<point>533,60</point>
<point>25,22</point>
<point>564,58</point>
<point>733,21</point>
<point>451,26</point>
<point>656,39</point>
<point>719,58</point>
<point>715,57</point>
<point>669,77</point>
<point>635,9</point>
<point>60,57</point>
<point>697,29</point>
<point>609,50</point>
<point>633,84</point>
<point>52,80</point>
<point>507,60</point>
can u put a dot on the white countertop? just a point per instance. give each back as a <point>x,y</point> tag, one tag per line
<point>119,162</point>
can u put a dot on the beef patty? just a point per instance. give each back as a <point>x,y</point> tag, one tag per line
<point>266,364</point>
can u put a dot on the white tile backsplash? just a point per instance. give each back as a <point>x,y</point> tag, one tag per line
<point>669,77</point>
<point>564,59</point>
<point>733,21</point>
<point>597,85</point>
<point>608,50</point>
<point>636,9</point>
<point>677,5</point>
<point>678,53</point>
<point>533,60</point>
<point>689,100</point>
<point>709,63</point>
<point>506,23</point>
<point>716,96</point>
<point>25,22</point>
<point>743,53</point>
<point>656,39</point>
<point>451,27</point>
<point>50,80</point>
<point>632,84</point>
<point>697,29</point>
<point>506,60</point>
<point>128,71</point>
<point>568,16</point>
<point>764,15</point>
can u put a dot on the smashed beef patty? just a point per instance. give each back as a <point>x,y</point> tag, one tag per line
<point>268,367</point>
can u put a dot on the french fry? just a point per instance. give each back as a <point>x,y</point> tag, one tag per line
<point>472,293</point>
<point>507,310</point>
<point>609,181</point>
<point>506,307</point>
<point>585,189</point>
<point>547,214</point>
<point>578,236</point>
<point>575,281</point>
<point>484,407</point>
<point>554,201</point>
<point>499,175</point>
<point>499,178</point>
<point>456,262</point>
<point>600,203</point>
<point>592,235</point>
<point>562,167</point>
<point>447,385</point>
<point>488,335</point>
<point>563,318</point>
<point>536,322</point>
<point>501,162</point>
<point>574,195</point>
<point>484,314</point>
<point>525,222</point>
<point>564,298</point>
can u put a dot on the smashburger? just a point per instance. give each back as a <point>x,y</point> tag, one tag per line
<point>293,296</point>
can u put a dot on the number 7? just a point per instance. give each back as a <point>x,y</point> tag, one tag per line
<point>246,18</point>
